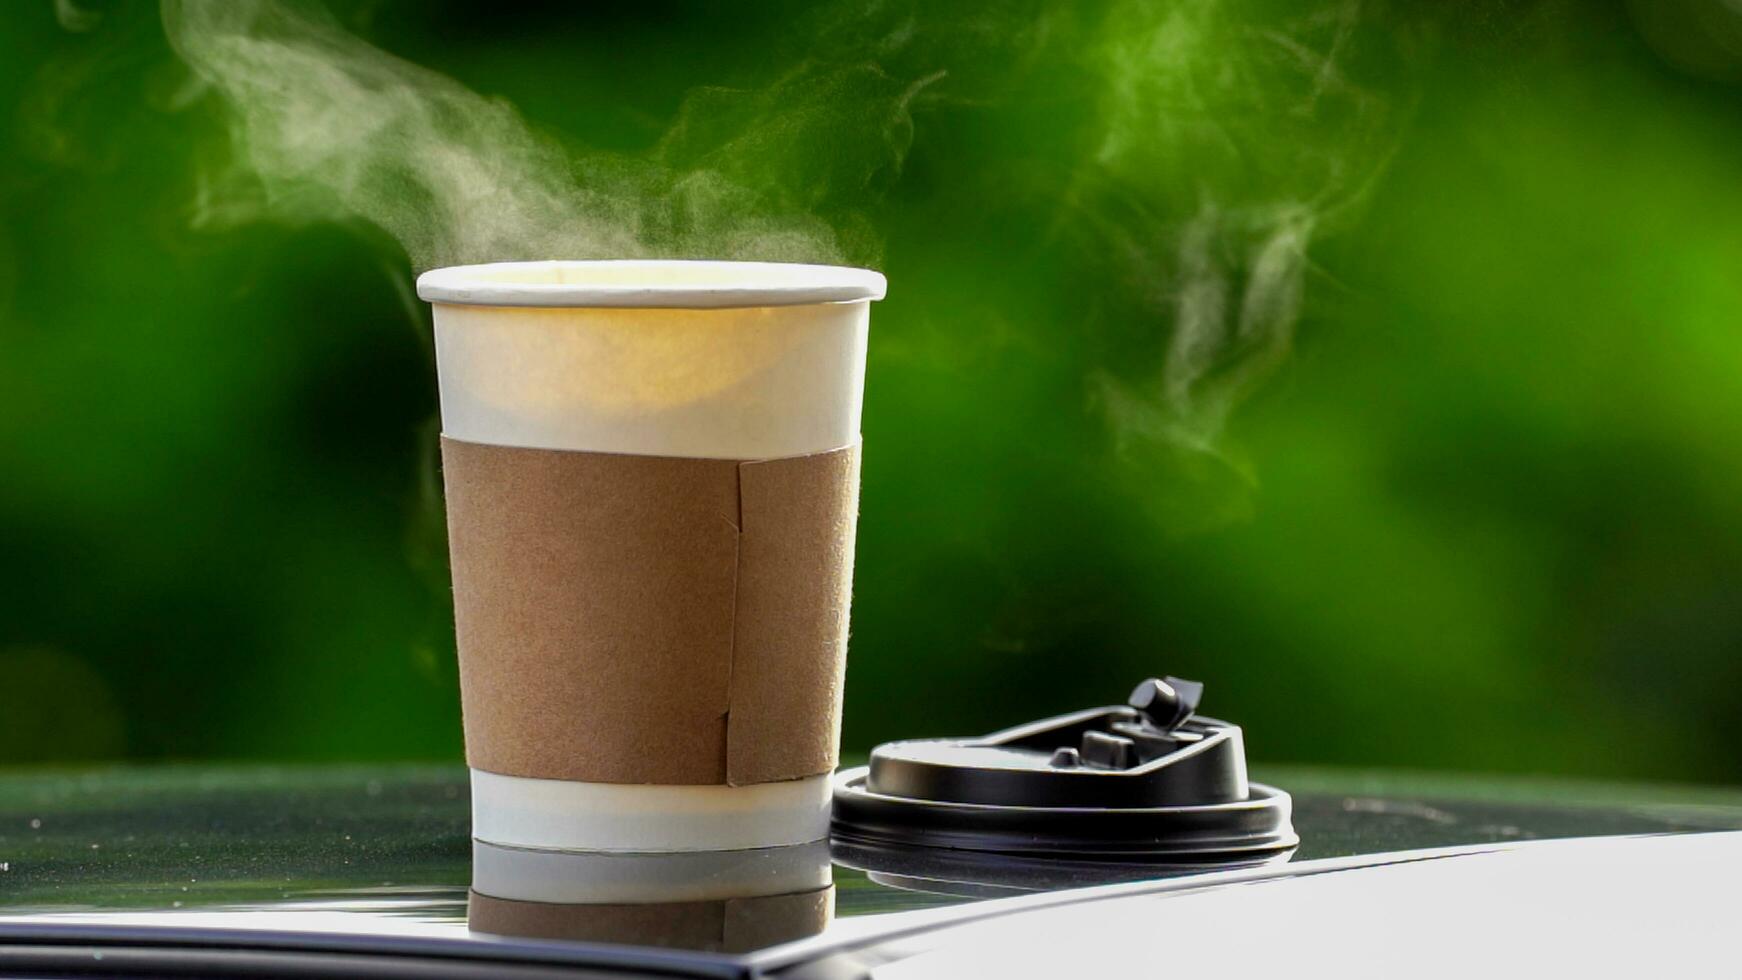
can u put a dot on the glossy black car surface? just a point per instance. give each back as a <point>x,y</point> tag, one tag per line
<point>366,871</point>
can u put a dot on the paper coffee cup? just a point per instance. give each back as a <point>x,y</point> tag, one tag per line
<point>726,901</point>
<point>652,477</point>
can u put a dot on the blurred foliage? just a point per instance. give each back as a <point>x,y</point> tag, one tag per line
<point>1374,363</point>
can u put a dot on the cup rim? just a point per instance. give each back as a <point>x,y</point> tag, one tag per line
<point>649,283</point>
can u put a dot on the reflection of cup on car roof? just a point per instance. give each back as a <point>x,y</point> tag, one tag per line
<point>723,901</point>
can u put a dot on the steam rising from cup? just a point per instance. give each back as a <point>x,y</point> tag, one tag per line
<point>1212,146</point>
<point>325,126</point>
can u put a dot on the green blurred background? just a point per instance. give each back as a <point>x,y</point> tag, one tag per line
<point>1380,365</point>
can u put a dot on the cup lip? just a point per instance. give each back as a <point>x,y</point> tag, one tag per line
<point>622,283</point>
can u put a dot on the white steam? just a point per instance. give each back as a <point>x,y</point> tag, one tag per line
<point>1218,141</point>
<point>1233,326</point>
<point>1259,133</point>
<point>326,126</point>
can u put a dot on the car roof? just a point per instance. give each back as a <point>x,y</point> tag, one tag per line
<point>332,858</point>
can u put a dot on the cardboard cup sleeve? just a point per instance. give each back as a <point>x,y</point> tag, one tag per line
<point>647,619</point>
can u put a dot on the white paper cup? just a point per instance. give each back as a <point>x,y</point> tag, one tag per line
<point>705,360</point>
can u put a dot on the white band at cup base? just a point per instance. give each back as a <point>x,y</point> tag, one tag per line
<point>557,815</point>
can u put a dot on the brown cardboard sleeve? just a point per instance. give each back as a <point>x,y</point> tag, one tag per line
<point>645,619</point>
<point>731,925</point>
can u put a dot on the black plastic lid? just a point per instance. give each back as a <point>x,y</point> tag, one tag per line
<point>1150,781</point>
